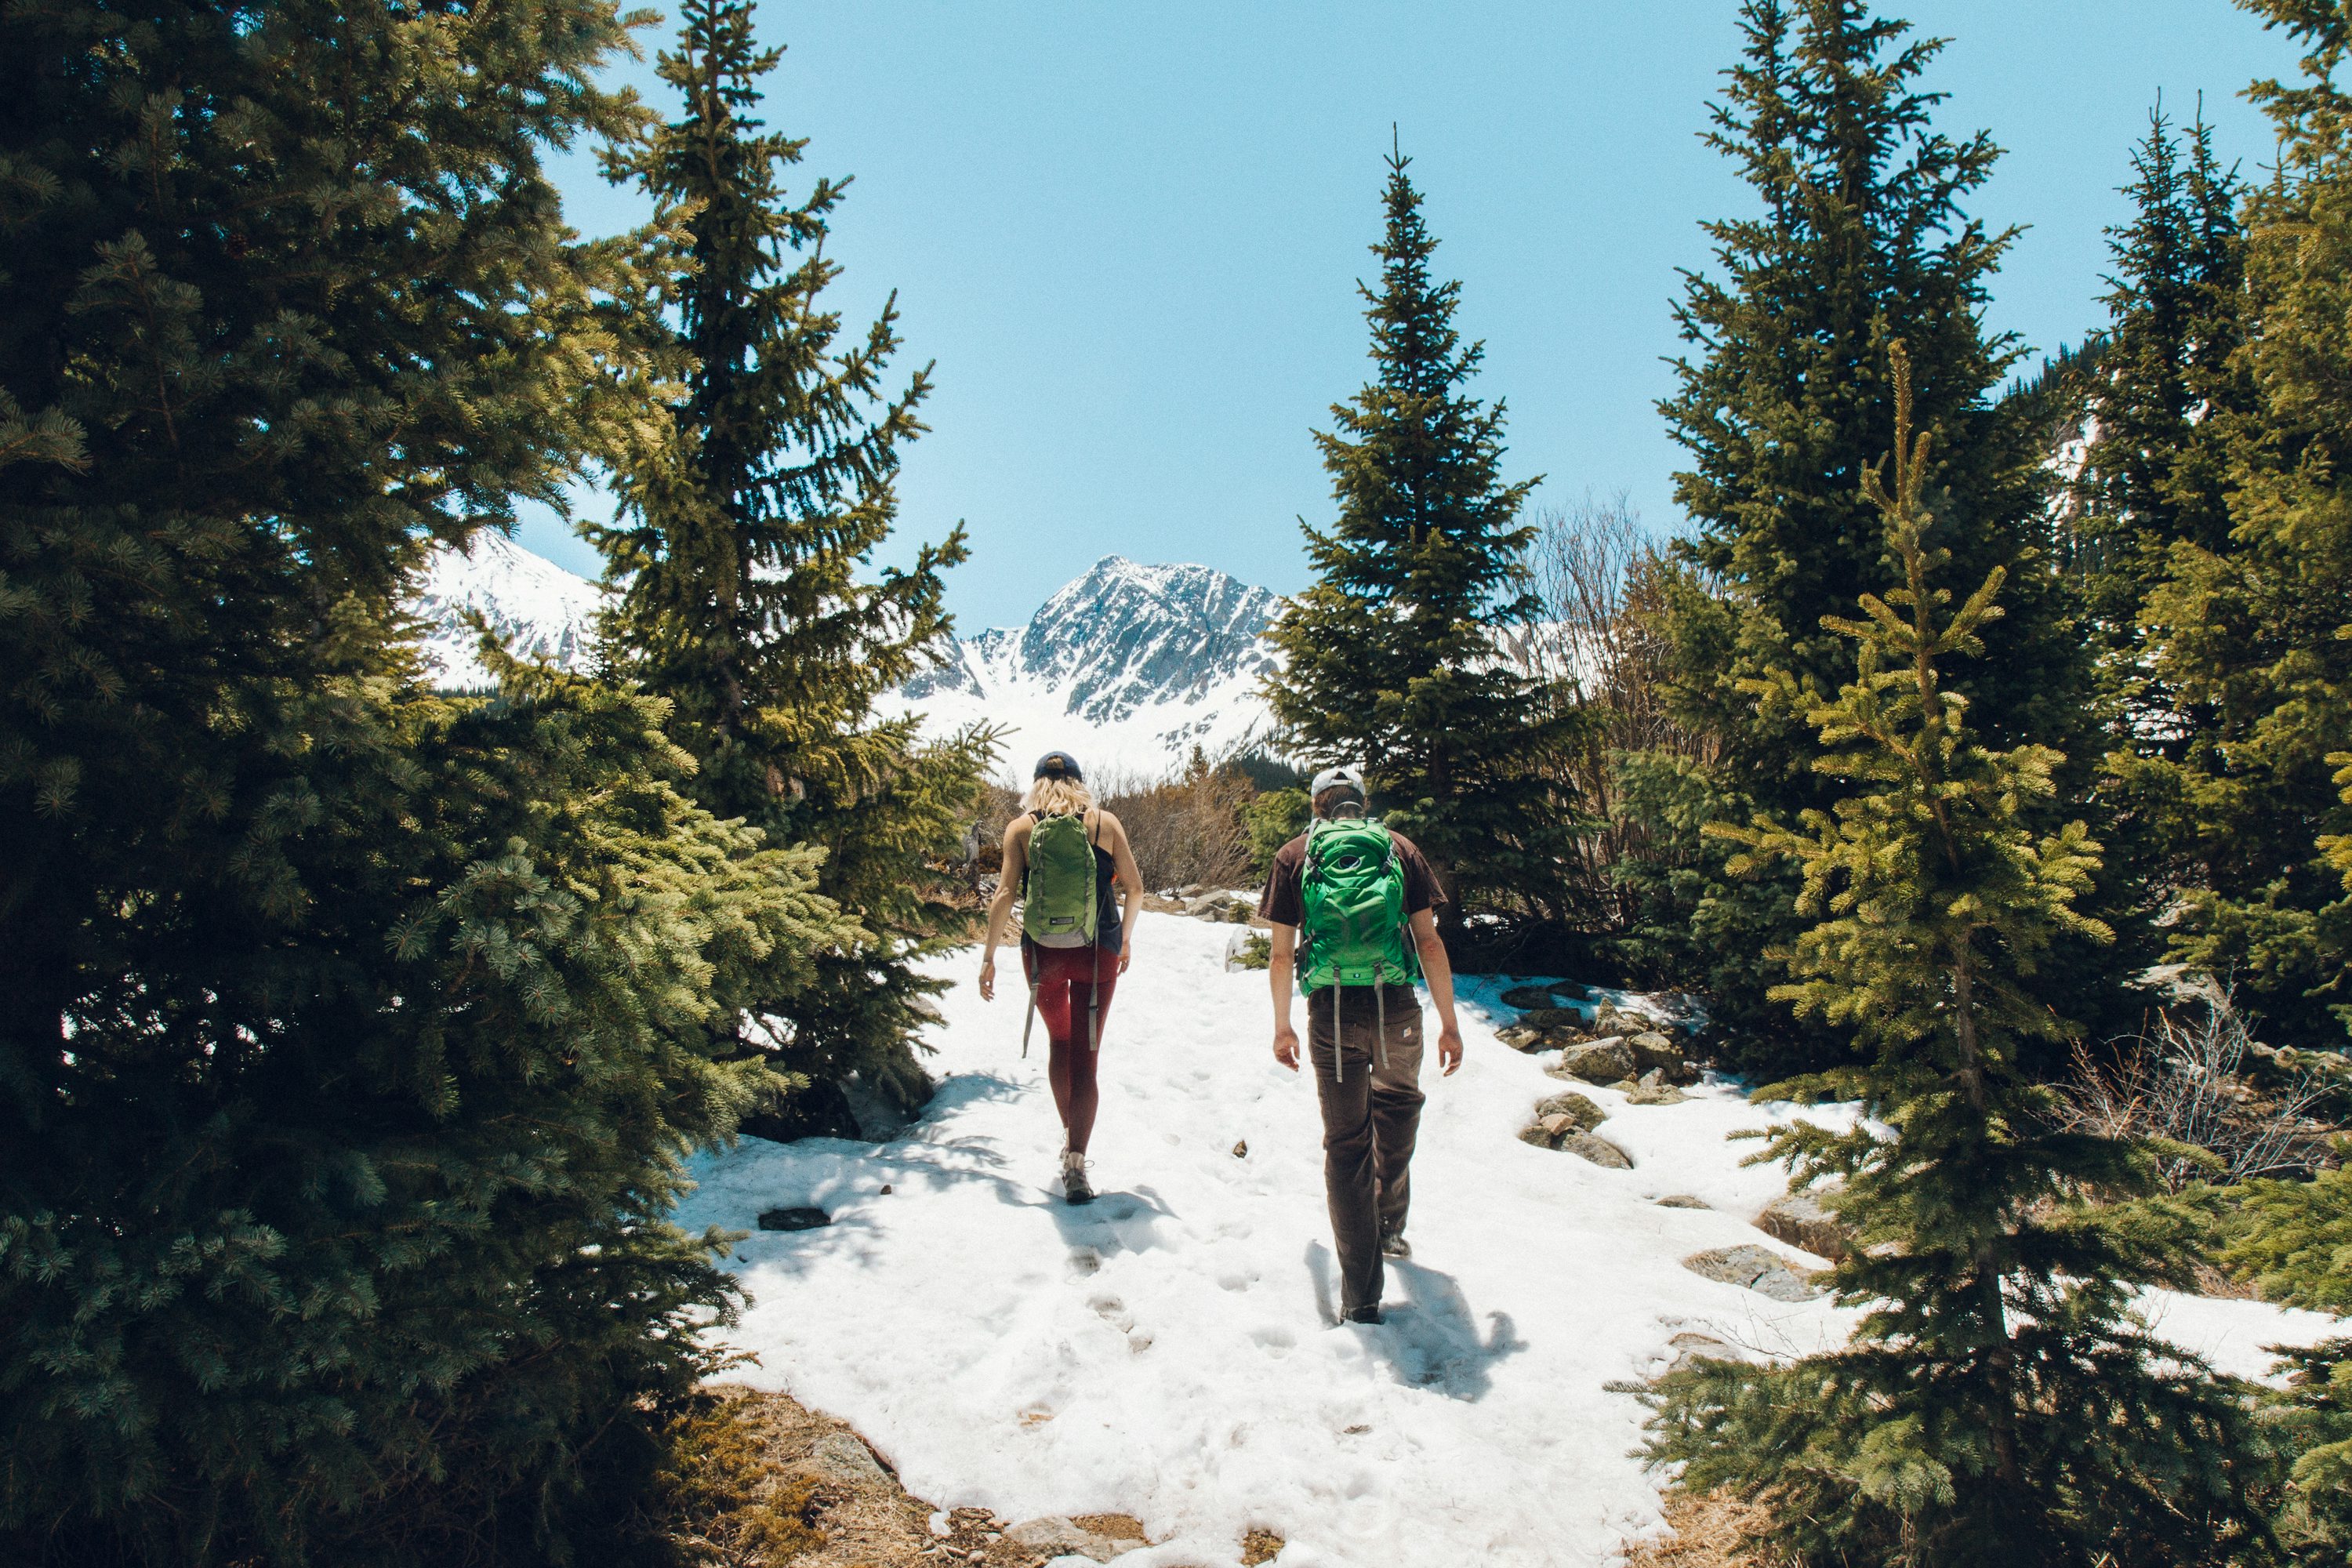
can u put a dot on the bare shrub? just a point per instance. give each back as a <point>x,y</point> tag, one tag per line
<point>1186,829</point>
<point>1601,648</point>
<point>2185,1082</point>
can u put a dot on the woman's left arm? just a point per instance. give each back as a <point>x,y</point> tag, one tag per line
<point>1130,886</point>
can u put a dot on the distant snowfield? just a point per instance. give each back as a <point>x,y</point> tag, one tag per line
<point>1167,1352</point>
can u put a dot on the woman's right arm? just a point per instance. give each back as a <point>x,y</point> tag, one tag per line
<point>1011,867</point>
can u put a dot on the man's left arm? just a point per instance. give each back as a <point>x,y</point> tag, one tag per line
<point>1438,970</point>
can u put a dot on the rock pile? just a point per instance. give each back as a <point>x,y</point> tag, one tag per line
<point>1565,1123</point>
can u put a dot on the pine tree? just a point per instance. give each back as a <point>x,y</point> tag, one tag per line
<point>351,1039</point>
<point>1863,238</point>
<point>2254,633</point>
<point>2164,388</point>
<point>1998,1402</point>
<point>747,522</point>
<point>1392,653</point>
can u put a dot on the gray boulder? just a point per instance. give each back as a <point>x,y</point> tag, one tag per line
<point>1654,1089</point>
<point>1654,1051</point>
<point>1575,1107</point>
<point>1057,1537</point>
<point>1802,1220</point>
<point>1604,1060</point>
<point>1552,1018</point>
<point>1599,1150</point>
<point>1754,1268</point>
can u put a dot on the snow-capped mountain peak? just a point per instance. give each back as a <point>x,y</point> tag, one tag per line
<point>536,607</point>
<point>1130,667</point>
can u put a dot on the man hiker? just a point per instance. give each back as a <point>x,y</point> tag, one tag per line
<point>1360,896</point>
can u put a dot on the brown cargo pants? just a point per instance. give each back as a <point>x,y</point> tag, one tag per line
<point>1371,1113</point>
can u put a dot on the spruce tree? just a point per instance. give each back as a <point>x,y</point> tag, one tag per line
<point>1392,653</point>
<point>351,1039</point>
<point>2254,632</point>
<point>741,562</point>
<point>1863,237</point>
<point>2155,471</point>
<point>1998,1402</point>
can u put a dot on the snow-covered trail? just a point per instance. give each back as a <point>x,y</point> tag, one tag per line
<point>1169,1352</point>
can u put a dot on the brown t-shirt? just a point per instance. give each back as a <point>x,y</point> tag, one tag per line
<point>1284,904</point>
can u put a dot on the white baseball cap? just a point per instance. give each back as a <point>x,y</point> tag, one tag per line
<point>1333,778</point>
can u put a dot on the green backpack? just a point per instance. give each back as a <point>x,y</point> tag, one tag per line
<point>1353,888</point>
<point>1059,905</point>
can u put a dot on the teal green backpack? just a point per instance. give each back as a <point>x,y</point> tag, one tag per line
<point>1353,888</point>
<point>1058,894</point>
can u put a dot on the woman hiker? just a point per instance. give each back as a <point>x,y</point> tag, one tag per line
<point>1063,855</point>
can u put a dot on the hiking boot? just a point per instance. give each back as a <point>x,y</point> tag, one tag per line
<point>1394,1245</point>
<point>1362,1315</point>
<point>1075,1188</point>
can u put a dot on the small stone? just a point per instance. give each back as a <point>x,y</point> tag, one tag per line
<point>1599,1150</point>
<point>886,1189</point>
<point>1533,1133</point>
<point>1689,1347</point>
<point>1803,1221</point>
<point>793,1219</point>
<point>1684,1201</point>
<point>1753,1267</point>
<point>1241,1149</point>
<point>1520,1037</point>
<point>842,1458</point>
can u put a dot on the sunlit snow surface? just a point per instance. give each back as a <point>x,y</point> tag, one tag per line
<point>1169,1352</point>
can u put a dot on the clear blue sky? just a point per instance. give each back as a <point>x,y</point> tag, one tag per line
<point>1129,234</point>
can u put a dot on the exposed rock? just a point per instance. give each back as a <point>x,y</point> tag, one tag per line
<point>1569,991</point>
<point>1230,907</point>
<point>1576,1108</point>
<point>1603,1060</point>
<point>1653,1089</point>
<point>1241,1149</point>
<point>1058,1537</point>
<point>1519,1037</point>
<point>1802,1220</point>
<point>1683,1200</point>
<point>793,1219</point>
<point>1599,1150</point>
<point>1755,1268</point>
<point>1529,996</point>
<point>841,1457</point>
<point>1552,1018</point>
<point>1653,1051</point>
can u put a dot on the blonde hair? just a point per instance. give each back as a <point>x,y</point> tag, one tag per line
<point>1057,798</point>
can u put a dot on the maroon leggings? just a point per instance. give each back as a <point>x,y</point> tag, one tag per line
<point>1069,980</point>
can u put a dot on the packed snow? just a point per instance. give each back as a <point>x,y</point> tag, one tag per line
<point>1169,1352</point>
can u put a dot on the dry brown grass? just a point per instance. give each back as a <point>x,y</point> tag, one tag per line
<point>1708,1528</point>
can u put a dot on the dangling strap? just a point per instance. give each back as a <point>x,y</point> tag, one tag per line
<point>1338,1038</point>
<point>1094,1002</point>
<point>1381,1016</point>
<point>1030,1018</point>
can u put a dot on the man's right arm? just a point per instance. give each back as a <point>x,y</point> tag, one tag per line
<point>1278,967</point>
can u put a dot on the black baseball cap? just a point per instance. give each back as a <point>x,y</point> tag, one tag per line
<point>1059,765</point>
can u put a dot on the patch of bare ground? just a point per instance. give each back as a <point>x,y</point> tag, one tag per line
<point>1707,1529</point>
<point>757,1479</point>
<point>1260,1546</point>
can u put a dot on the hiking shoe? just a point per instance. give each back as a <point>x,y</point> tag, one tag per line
<point>1075,1188</point>
<point>1362,1315</point>
<point>1394,1245</point>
